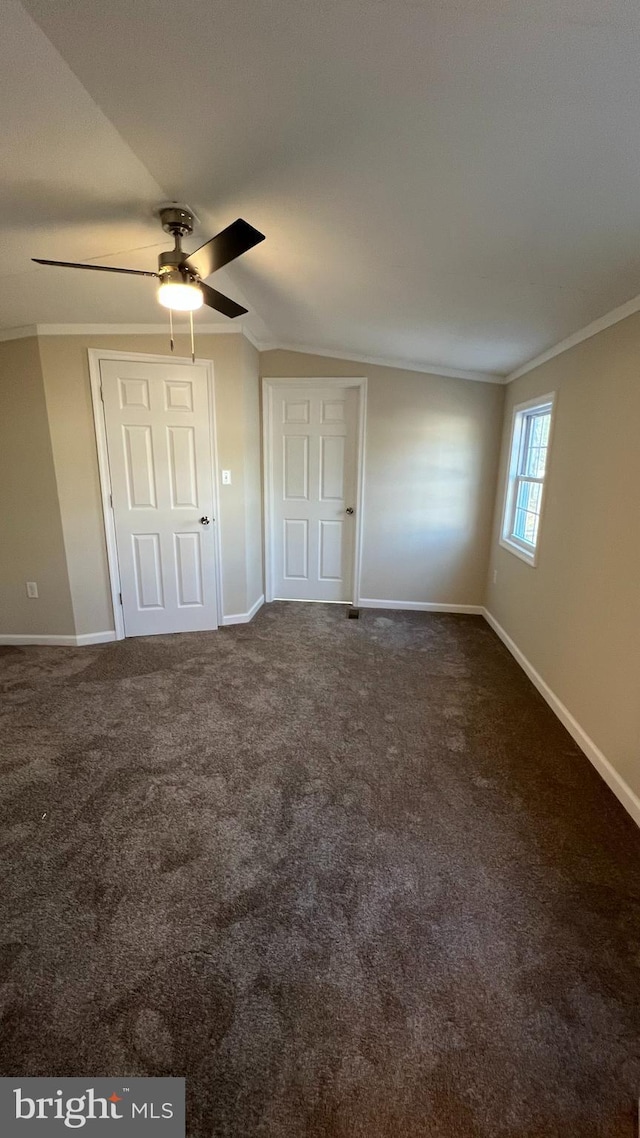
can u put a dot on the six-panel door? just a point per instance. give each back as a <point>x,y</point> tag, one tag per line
<point>314,482</point>
<point>159,442</point>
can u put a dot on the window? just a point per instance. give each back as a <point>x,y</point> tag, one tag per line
<point>530,440</point>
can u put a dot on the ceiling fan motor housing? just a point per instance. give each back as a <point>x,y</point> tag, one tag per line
<point>176,220</point>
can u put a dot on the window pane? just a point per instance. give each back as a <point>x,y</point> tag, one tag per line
<point>534,458</point>
<point>529,496</point>
<point>535,438</point>
<point>535,461</point>
<point>527,462</point>
<point>520,527</point>
<point>526,526</point>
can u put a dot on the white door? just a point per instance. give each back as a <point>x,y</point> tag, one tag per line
<point>160,460</point>
<point>314,477</point>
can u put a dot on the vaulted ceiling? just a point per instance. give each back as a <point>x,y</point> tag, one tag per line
<point>452,183</point>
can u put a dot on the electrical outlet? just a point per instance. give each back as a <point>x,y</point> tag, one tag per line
<point>495,576</point>
<point>226,477</point>
<point>32,590</point>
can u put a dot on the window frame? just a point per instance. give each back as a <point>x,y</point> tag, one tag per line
<point>522,415</point>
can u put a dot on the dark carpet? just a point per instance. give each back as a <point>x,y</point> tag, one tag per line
<point>350,878</point>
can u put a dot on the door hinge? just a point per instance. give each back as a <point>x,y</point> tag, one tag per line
<point>111,500</point>
<point>120,596</point>
<point>101,395</point>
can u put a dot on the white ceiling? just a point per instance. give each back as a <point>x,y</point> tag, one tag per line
<point>454,183</point>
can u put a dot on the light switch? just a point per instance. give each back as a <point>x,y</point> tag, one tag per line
<point>32,590</point>
<point>226,477</point>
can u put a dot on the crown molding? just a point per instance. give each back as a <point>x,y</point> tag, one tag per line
<point>603,322</point>
<point>260,345</point>
<point>129,329</point>
<point>383,361</point>
<point>248,335</point>
<point>18,333</point>
<point>123,330</point>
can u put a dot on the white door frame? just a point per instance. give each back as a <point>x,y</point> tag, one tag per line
<point>95,356</point>
<point>359,383</point>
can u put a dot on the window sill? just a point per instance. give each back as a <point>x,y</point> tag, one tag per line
<point>517,550</point>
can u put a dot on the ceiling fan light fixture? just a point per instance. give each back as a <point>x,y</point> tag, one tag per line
<point>182,296</point>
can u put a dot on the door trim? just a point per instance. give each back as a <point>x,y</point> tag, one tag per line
<point>359,383</point>
<point>95,355</point>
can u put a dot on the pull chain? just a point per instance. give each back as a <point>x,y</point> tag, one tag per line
<point>193,347</point>
<point>171,329</point>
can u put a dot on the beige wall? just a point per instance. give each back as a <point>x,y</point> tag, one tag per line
<point>430,471</point>
<point>68,395</point>
<point>576,616</point>
<point>253,475</point>
<point>31,544</point>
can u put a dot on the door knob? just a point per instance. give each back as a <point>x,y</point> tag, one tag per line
<point>204,520</point>
<point>349,510</point>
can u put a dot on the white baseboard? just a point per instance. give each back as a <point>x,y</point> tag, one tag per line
<point>27,641</point>
<point>243,617</point>
<point>62,641</point>
<point>614,781</point>
<point>95,638</point>
<point>419,606</point>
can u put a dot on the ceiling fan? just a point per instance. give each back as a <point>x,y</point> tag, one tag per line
<point>182,275</point>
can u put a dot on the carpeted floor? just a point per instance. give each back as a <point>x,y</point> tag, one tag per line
<point>351,878</point>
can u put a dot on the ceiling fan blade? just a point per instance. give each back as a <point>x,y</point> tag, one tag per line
<point>230,243</point>
<point>220,302</point>
<point>99,268</point>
